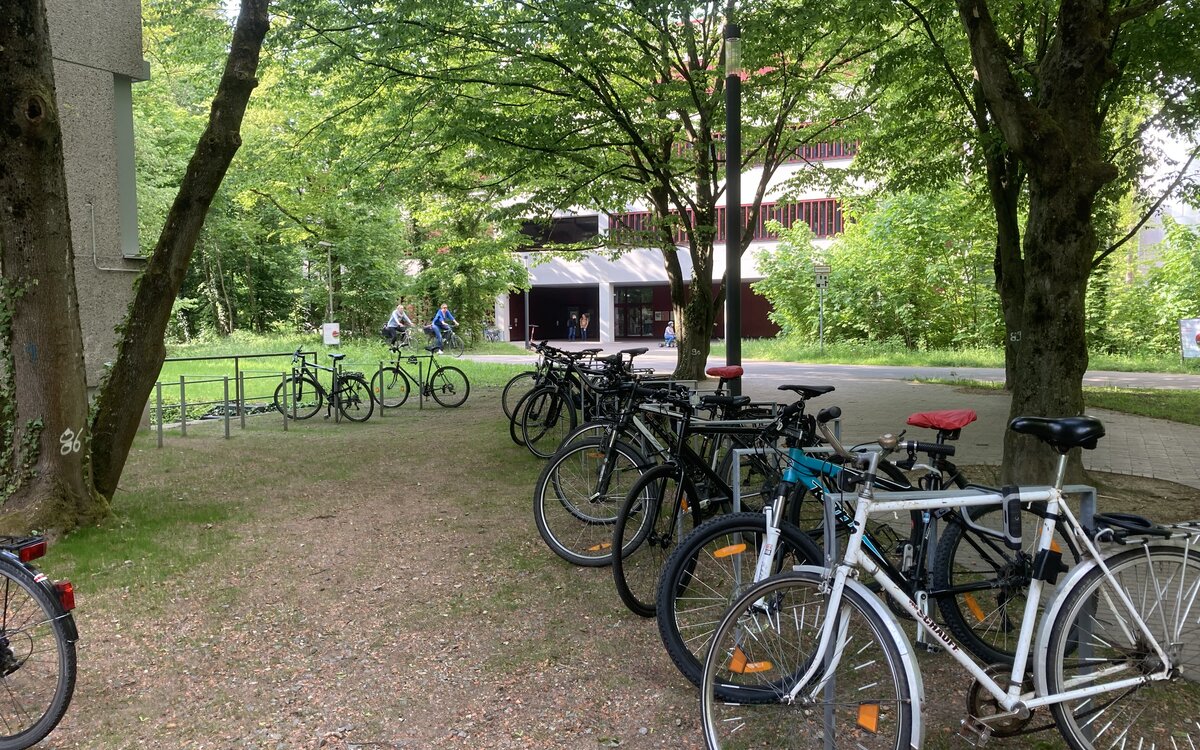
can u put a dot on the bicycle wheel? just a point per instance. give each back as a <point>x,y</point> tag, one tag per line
<point>547,419</point>
<point>660,509</point>
<point>708,570</point>
<point>1094,640</point>
<point>577,497</point>
<point>449,386</point>
<point>514,422</point>
<point>304,397</point>
<point>979,584</point>
<point>455,344</point>
<point>389,387</point>
<point>354,398</point>
<point>516,388</point>
<point>37,661</point>
<point>763,647</point>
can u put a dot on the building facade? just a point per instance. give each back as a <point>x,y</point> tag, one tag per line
<point>97,47</point>
<point>628,299</point>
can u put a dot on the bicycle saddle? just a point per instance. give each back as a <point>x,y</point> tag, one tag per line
<point>597,350</point>
<point>807,391</point>
<point>717,399</point>
<point>335,356</point>
<point>729,372</point>
<point>947,419</point>
<point>635,352</point>
<point>1061,434</point>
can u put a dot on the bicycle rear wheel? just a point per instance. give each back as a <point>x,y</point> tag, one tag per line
<point>578,495</point>
<point>299,397</point>
<point>389,387</point>
<point>354,398</point>
<point>1094,640</point>
<point>449,386</point>
<point>660,509</point>
<point>763,647</point>
<point>37,661</point>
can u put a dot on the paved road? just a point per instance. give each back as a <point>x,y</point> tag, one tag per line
<point>878,399</point>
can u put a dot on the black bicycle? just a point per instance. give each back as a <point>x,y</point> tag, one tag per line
<point>447,385</point>
<point>37,645</point>
<point>302,395</point>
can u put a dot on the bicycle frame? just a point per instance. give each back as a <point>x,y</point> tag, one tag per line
<point>1010,698</point>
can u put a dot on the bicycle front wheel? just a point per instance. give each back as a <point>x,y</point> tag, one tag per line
<point>547,419</point>
<point>764,646</point>
<point>710,568</point>
<point>1095,640</point>
<point>299,397</point>
<point>389,387</point>
<point>354,398</point>
<point>455,345</point>
<point>516,388</point>
<point>578,495</point>
<point>449,386</point>
<point>37,662</point>
<point>660,509</point>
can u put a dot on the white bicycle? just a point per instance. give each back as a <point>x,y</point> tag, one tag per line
<point>811,658</point>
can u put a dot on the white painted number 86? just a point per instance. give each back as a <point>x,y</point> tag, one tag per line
<point>70,442</point>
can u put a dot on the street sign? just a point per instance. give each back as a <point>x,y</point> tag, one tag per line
<point>822,273</point>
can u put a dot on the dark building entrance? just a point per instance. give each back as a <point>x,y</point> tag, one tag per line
<point>550,308</point>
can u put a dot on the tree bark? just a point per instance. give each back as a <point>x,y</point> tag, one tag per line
<point>141,352</point>
<point>45,392</point>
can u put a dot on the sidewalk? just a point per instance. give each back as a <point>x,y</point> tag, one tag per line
<point>875,400</point>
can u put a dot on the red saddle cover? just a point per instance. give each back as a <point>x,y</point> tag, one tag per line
<point>948,419</point>
<point>728,373</point>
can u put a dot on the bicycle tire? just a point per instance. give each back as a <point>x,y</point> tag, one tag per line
<point>765,643</point>
<point>546,422</point>
<point>355,400</point>
<point>966,557</point>
<point>647,530</point>
<point>1091,633</point>
<point>306,397</point>
<point>449,386</point>
<point>455,345</point>
<point>516,388</point>
<point>37,660</point>
<point>389,386</point>
<point>708,570</point>
<point>514,422</point>
<point>577,496</point>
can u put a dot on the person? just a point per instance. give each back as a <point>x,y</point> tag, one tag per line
<point>583,325</point>
<point>572,327</point>
<point>398,323</point>
<point>669,334</point>
<point>443,320</point>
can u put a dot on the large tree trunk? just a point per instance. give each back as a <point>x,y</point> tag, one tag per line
<point>44,393</point>
<point>141,352</point>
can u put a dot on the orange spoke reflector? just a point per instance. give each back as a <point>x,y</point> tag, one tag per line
<point>731,550</point>
<point>738,663</point>
<point>600,547</point>
<point>1054,546</point>
<point>974,607</point>
<point>595,454</point>
<point>683,502</point>
<point>868,717</point>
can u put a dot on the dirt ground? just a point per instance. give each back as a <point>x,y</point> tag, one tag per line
<point>383,586</point>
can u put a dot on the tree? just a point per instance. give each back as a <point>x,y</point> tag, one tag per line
<point>43,398</point>
<point>571,102</point>
<point>1058,113</point>
<point>55,481</point>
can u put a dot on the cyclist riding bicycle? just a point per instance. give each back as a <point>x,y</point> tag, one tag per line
<point>443,320</point>
<point>397,324</point>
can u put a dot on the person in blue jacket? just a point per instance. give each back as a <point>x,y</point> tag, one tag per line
<point>443,320</point>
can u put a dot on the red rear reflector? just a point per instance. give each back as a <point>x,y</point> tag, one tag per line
<point>66,594</point>
<point>32,551</point>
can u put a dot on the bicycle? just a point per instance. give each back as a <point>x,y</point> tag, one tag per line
<point>452,343</point>
<point>37,645</point>
<point>446,384</point>
<point>302,395</point>
<point>813,653</point>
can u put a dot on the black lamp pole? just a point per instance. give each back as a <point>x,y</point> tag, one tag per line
<point>733,194</point>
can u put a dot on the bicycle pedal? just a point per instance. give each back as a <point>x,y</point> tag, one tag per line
<point>974,732</point>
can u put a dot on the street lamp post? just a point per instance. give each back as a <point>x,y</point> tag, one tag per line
<point>733,195</point>
<point>328,277</point>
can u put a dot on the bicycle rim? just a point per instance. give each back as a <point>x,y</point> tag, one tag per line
<point>765,644</point>
<point>355,400</point>
<point>1093,633</point>
<point>449,386</point>
<point>389,387</point>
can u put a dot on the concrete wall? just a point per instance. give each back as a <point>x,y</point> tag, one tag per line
<point>97,47</point>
